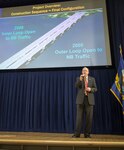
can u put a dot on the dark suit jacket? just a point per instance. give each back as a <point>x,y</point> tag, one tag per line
<point>81,87</point>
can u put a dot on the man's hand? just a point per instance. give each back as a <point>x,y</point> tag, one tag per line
<point>88,89</point>
<point>81,77</point>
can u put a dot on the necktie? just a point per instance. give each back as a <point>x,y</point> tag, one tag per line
<point>86,85</point>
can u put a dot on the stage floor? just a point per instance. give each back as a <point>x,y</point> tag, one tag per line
<point>60,139</point>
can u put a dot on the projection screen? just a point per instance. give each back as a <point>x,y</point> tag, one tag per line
<point>55,35</point>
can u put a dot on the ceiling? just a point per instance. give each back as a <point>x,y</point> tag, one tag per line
<point>12,3</point>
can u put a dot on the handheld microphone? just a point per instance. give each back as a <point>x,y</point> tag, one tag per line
<point>82,75</point>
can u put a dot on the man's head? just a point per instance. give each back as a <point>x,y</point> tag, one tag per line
<point>85,71</point>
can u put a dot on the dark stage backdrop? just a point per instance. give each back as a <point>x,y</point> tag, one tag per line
<point>44,100</point>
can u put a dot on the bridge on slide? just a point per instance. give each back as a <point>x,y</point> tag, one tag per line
<point>38,46</point>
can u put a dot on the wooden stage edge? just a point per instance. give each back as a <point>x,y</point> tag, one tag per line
<point>60,139</point>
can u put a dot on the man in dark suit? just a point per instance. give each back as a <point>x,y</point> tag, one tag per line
<point>85,101</point>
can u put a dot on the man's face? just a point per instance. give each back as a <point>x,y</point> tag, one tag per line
<point>85,71</point>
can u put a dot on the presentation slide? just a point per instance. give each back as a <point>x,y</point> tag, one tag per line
<point>54,35</point>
